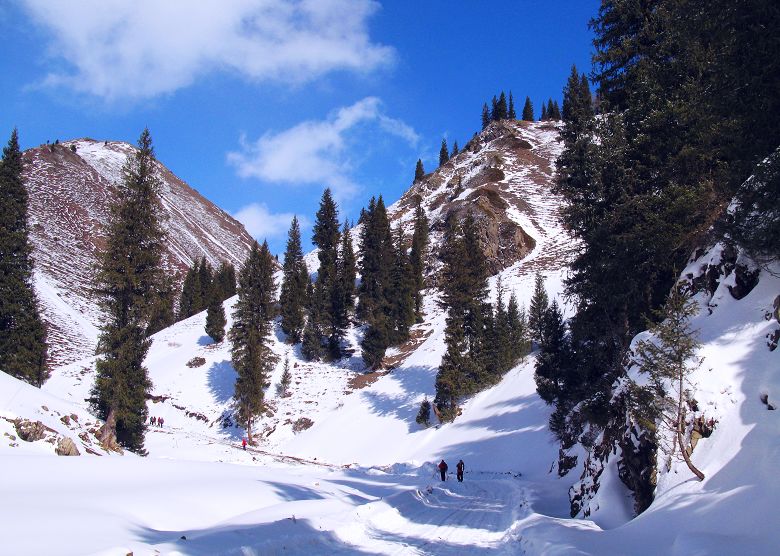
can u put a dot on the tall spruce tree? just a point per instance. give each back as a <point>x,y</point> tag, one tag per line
<point>215,318</point>
<point>528,110</point>
<point>375,270</point>
<point>295,278</point>
<point>401,292</point>
<point>495,111</point>
<point>462,370</point>
<point>417,258</point>
<point>326,296</point>
<point>225,279</point>
<point>552,362</point>
<point>23,350</point>
<point>163,314</point>
<point>537,308</point>
<point>251,354</point>
<point>543,117</point>
<point>444,155</point>
<point>419,171</point>
<point>455,149</point>
<point>129,275</point>
<point>511,114</point>
<point>347,273</point>
<point>485,116</point>
<point>190,298</point>
<point>501,108</point>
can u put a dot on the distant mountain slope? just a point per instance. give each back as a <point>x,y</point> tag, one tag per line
<point>71,186</point>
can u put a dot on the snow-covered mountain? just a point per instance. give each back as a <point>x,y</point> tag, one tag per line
<point>342,467</point>
<point>71,186</point>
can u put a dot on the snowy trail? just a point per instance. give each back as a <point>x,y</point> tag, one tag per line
<point>475,516</point>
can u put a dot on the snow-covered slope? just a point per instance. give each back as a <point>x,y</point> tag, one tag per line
<point>71,185</point>
<point>341,466</point>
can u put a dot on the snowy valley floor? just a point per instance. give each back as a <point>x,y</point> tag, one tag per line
<point>361,479</point>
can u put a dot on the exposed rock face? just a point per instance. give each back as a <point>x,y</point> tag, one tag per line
<point>30,431</point>
<point>71,186</point>
<point>66,447</point>
<point>502,177</point>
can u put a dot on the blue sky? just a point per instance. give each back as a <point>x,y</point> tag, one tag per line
<point>260,104</point>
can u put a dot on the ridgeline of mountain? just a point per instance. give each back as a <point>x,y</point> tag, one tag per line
<point>71,186</point>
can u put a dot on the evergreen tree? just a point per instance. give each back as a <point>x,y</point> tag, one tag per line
<point>462,369</point>
<point>455,150</point>
<point>215,319</point>
<point>556,111</point>
<point>225,280</point>
<point>485,116</point>
<point>205,282</point>
<point>669,361</point>
<point>251,354</point>
<point>23,350</point>
<point>295,278</point>
<point>544,116</point>
<point>286,380</point>
<point>419,171</point>
<point>501,108</point>
<point>191,297</point>
<point>550,110</point>
<point>518,329</point>
<point>347,273</point>
<point>538,308</point>
<point>495,111</point>
<point>162,312</point>
<point>552,361</point>
<point>443,153</point>
<point>326,297</point>
<point>511,114</point>
<point>402,292</point>
<point>528,110</point>
<point>129,274</point>
<point>424,415</point>
<point>417,258</point>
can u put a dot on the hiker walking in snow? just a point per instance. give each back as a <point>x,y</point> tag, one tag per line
<point>160,422</point>
<point>459,469</point>
<point>443,470</point>
<point>243,443</point>
<point>153,421</point>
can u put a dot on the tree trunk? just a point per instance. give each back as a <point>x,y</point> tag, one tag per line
<point>249,432</point>
<point>680,429</point>
<point>107,433</point>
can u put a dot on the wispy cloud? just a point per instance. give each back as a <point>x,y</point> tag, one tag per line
<point>119,49</point>
<point>314,151</point>
<point>262,224</point>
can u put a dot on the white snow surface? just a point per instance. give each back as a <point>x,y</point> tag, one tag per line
<point>362,479</point>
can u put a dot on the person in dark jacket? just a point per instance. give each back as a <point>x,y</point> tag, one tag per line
<point>459,469</point>
<point>443,470</point>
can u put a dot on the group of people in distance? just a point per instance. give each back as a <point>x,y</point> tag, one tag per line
<point>156,421</point>
<point>459,468</point>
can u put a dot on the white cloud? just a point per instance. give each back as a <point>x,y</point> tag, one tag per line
<point>262,224</point>
<point>313,151</point>
<point>142,48</point>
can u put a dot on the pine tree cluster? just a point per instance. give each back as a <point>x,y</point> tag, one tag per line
<point>483,341</point>
<point>678,131</point>
<point>550,111</point>
<point>202,285</point>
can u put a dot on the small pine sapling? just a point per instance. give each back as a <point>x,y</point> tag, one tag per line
<point>424,415</point>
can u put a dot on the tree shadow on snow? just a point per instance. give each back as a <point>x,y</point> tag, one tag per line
<point>289,536</point>
<point>222,381</point>
<point>205,340</point>
<point>413,381</point>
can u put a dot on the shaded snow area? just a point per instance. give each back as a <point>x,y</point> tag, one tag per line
<point>362,478</point>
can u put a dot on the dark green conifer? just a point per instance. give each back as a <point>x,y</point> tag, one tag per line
<point>402,292</point>
<point>424,415</point>
<point>215,319</point>
<point>544,116</point>
<point>538,308</point>
<point>455,149</point>
<point>485,116</point>
<point>419,172</point>
<point>129,274</point>
<point>163,314</point>
<point>444,155</point>
<point>501,108</point>
<point>495,111</point>
<point>417,258</point>
<point>528,110</point>
<point>511,114</point>
<point>286,380</point>
<point>347,272</point>
<point>251,354</point>
<point>295,278</point>
<point>326,238</point>
<point>23,350</point>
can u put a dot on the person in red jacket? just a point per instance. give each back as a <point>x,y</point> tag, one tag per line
<point>459,469</point>
<point>243,443</point>
<point>443,470</point>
